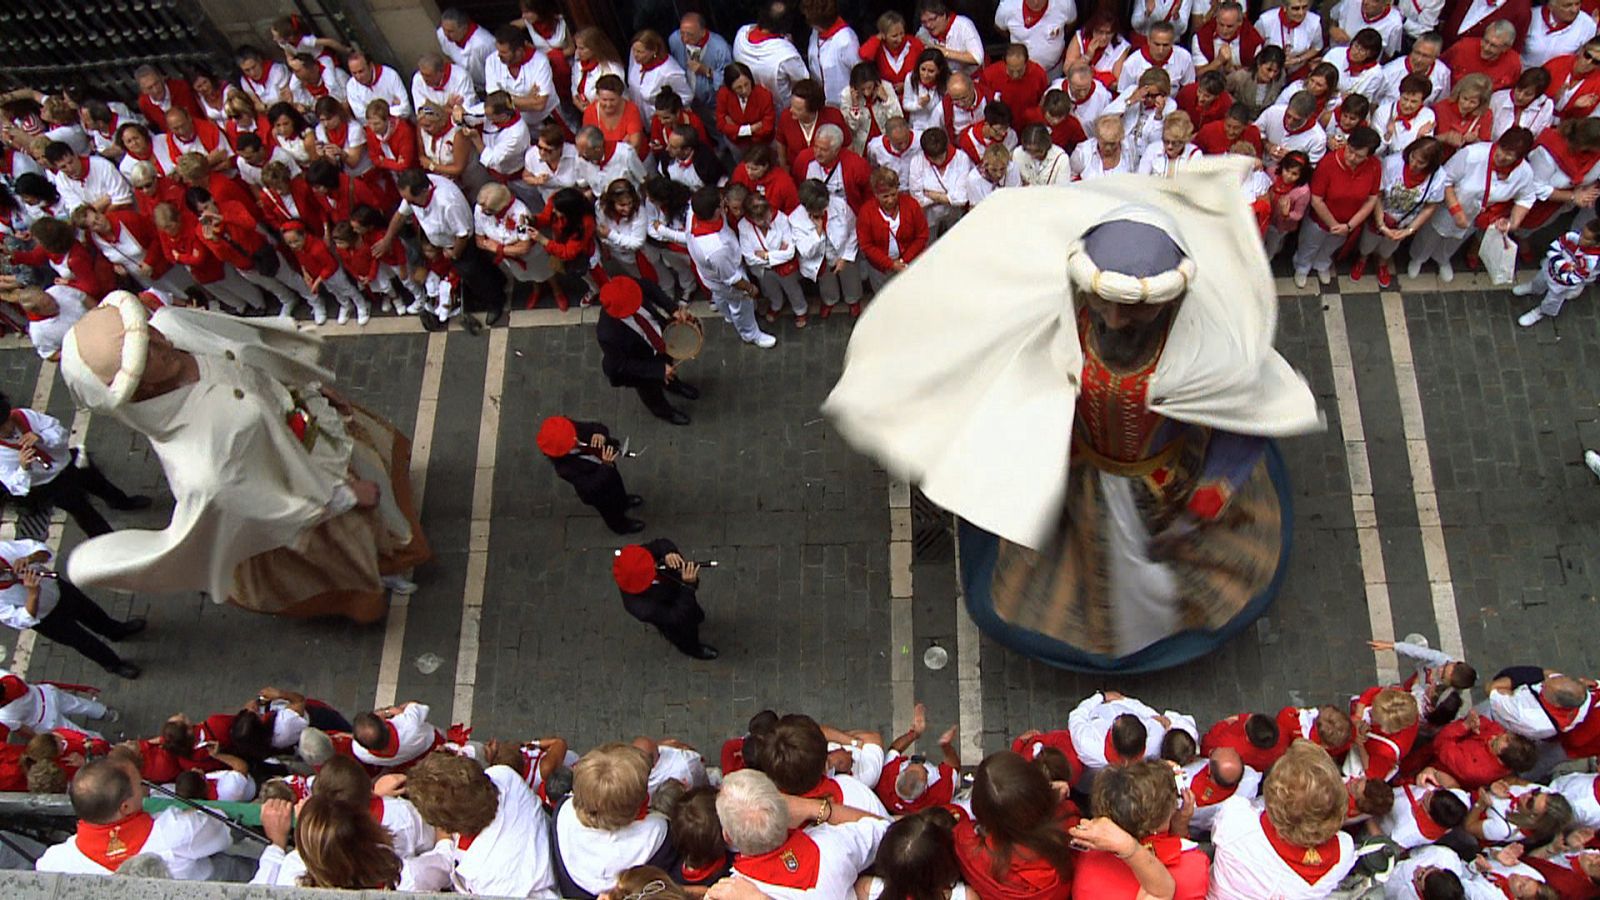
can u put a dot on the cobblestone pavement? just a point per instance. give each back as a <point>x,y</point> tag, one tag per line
<point>1478,522</point>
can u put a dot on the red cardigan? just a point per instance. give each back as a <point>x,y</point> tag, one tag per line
<point>312,211</point>
<point>872,230</point>
<point>90,272</point>
<point>401,143</point>
<point>777,187</point>
<point>758,112</point>
<point>857,174</point>
<point>794,141</point>
<point>315,259</point>
<point>352,192</point>
<point>1020,95</point>
<point>1188,101</point>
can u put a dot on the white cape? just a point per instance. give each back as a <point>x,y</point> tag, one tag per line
<point>242,483</point>
<point>962,374</point>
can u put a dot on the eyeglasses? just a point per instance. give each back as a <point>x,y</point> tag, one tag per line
<point>649,890</point>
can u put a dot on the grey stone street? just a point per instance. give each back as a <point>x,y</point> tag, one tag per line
<point>1446,497</point>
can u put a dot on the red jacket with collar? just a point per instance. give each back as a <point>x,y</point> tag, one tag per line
<point>231,190</point>
<point>235,238</point>
<point>758,112</point>
<point>1188,100</point>
<point>338,204</point>
<point>776,186</point>
<point>872,230</point>
<point>314,258</point>
<point>793,138</point>
<point>312,210</point>
<point>857,174</point>
<point>401,142</point>
<point>167,191</point>
<point>89,271</point>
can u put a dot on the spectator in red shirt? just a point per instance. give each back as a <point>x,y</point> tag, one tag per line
<point>175,229</point>
<point>745,112</point>
<point>1141,801</point>
<point>76,264</point>
<point>839,168</point>
<point>391,142</point>
<point>192,170</point>
<point>808,111</point>
<point>1464,117</point>
<point>892,231</point>
<point>1492,55</point>
<point>1344,192</point>
<point>892,50</point>
<point>760,173</point>
<point>1233,129</point>
<point>1206,100</point>
<point>157,95</point>
<point>338,193</point>
<point>1055,111</point>
<point>321,269</point>
<point>228,230</point>
<point>670,113</point>
<point>1017,81</point>
<point>1477,752</point>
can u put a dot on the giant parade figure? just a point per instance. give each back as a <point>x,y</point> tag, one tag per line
<point>288,499</point>
<point>1085,375</point>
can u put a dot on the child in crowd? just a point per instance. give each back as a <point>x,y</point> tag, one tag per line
<point>1571,264</point>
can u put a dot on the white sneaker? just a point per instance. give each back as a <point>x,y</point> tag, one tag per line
<point>397,585</point>
<point>1447,272</point>
<point>1531,317</point>
<point>111,715</point>
<point>415,307</point>
<point>363,318</point>
<point>1325,276</point>
<point>1523,290</point>
<point>1300,279</point>
<point>1414,268</point>
<point>319,317</point>
<point>344,316</point>
<point>764,340</point>
<point>1592,460</point>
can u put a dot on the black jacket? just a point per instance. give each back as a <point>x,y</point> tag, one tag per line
<point>597,484</point>
<point>669,604</point>
<point>627,358</point>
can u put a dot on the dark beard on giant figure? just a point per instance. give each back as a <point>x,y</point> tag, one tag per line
<point>1125,347</point>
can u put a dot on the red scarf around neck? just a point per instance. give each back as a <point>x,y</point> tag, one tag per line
<point>111,845</point>
<point>1310,863</point>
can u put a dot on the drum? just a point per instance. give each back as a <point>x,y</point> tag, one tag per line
<point>684,339</point>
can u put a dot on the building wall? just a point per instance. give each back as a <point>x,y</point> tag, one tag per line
<point>396,32</point>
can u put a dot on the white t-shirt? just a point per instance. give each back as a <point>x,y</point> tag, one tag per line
<point>447,216</point>
<point>1246,865</point>
<point>594,857</point>
<point>184,839</point>
<point>1046,38</point>
<point>961,36</point>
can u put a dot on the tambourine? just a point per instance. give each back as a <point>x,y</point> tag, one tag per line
<point>684,339</point>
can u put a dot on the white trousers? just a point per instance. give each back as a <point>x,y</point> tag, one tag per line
<point>777,288</point>
<point>1316,247</point>
<point>674,273</point>
<point>739,310</point>
<point>54,708</point>
<point>234,291</point>
<point>1555,295</point>
<point>1429,244</point>
<point>844,284</point>
<point>284,285</point>
<point>344,291</point>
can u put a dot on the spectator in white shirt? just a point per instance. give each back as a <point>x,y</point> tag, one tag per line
<point>37,466</point>
<point>493,829</point>
<point>1161,51</point>
<point>952,34</point>
<point>599,832</point>
<point>370,81</point>
<point>1557,28</point>
<point>519,69</point>
<point>465,44</point>
<point>446,85</point>
<point>759,824</point>
<point>824,229</point>
<point>1046,37</point>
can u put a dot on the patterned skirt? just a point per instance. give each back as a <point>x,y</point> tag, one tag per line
<point>1094,600</point>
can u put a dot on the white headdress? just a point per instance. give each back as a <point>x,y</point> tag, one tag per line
<point>102,359</point>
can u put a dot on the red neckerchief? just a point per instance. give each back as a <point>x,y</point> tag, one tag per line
<point>376,71</point>
<point>472,29</point>
<point>148,154</point>
<point>1279,186</point>
<point>527,54</point>
<point>651,65</point>
<point>1411,179</point>
<point>1285,30</point>
<point>1426,826</point>
<point>693,875</point>
<point>266,76</point>
<point>546,30</point>
<point>889,148</point>
<point>584,68</point>
<point>839,25</point>
<point>1310,863</point>
<point>700,228</point>
<point>795,863</point>
<point>444,77</point>
<point>1405,121</point>
<point>375,808</point>
<point>1083,48</point>
<point>111,845</point>
<point>1378,18</point>
<point>21,422</point>
<point>757,35</point>
<point>464,841</point>
<point>1031,18</point>
<point>1500,881</point>
<point>1354,69</point>
<point>1573,163</point>
<point>318,90</point>
<point>1310,121</point>
<point>1166,847</point>
<point>112,131</point>
<point>829,788</point>
<point>391,748</point>
<point>1428,74</point>
<point>1550,26</point>
<point>1206,791</point>
<point>939,36</point>
<point>1145,52</point>
<point>338,137</point>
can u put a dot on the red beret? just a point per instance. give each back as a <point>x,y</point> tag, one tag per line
<point>621,297</point>
<point>557,436</point>
<point>634,569</point>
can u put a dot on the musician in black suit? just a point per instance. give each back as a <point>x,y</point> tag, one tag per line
<point>585,456</point>
<point>635,354</point>
<point>658,588</point>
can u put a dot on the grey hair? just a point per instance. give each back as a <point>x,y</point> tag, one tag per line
<point>1503,28</point>
<point>1303,103</point>
<point>145,865</point>
<point>1432,37</point>
<point>589,136</point>
<point>430,62</point>
<point>1079,68</point>
<point>755,817</point>
<point>831,135</point>
<point>455,17</point>
<point>142,71</point>
<point>142,175</point>
<point>315,746</point>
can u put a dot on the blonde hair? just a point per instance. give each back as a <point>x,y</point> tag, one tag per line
<point>1394,710</point>
<point>1476,84</point>
<point>610,784</point>
<point>1177,126</point>
<point>192,166</point>
<point>1305,795</point>
<point>1108,128</point>
<point>238,105</point>
<point>494,197</point>
<point>142,175</point>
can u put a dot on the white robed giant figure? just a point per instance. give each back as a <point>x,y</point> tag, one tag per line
<point>1085,375</point>
<point>287,499</point>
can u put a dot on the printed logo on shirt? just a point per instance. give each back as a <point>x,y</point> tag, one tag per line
<point>790,861</point>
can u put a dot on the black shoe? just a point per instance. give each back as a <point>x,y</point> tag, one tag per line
<point>129,628</point>
<point>495,317</point>
<point>635,500</point>
<point>630,526</point>
<point>471,324</point>
<point>686,391</point>
<point>136,501</point>
<point>705,651</point>
<point>678,417</point>
<point>124,670</point>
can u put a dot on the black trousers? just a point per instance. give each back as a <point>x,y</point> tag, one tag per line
<point>70,491</point>
<point>685,637</point>
<point>74,623</point>
<point>655,400</point>
<point>483,284</point>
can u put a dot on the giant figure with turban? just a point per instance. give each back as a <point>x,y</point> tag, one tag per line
<point>288,499</point>
<point>1085,375</point>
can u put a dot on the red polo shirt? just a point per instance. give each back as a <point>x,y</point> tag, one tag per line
<point>1466,57</point>
<point>1021,95</point>
<point>1343,190</point>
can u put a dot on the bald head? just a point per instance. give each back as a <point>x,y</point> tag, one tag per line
<point>1564,691</point>
<point>103,792</point>
<point>1226,766</point>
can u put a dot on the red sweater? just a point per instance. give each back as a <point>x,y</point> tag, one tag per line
<point>1067,133</point>
<point>872,230</point>
<point>337,204</point>
<point>1465,754</point>
<point>1230,733</point>
<point>396,152</point>
<point>776,186</point>
<point>186,247</point>
<point>658,130</point>
<point>872,49</point>
<point>576,248</point>
<point>1021,95</point>
<point>236,239</point>
<point>166,191</point>
<point>1027,877</point>
<point>758,112</point>
<point>857,175</point>
<point>358,261</point>
<point>1213,138</point>
<point>936,795</point>
<point>231,190</point>
<point>316,261</point>
<point>1344,191</point>
<point>1466,58</point>
<point>1448,120</point>
<point>87,270</point>
<point>263,130</point>
<point>793,138</point>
